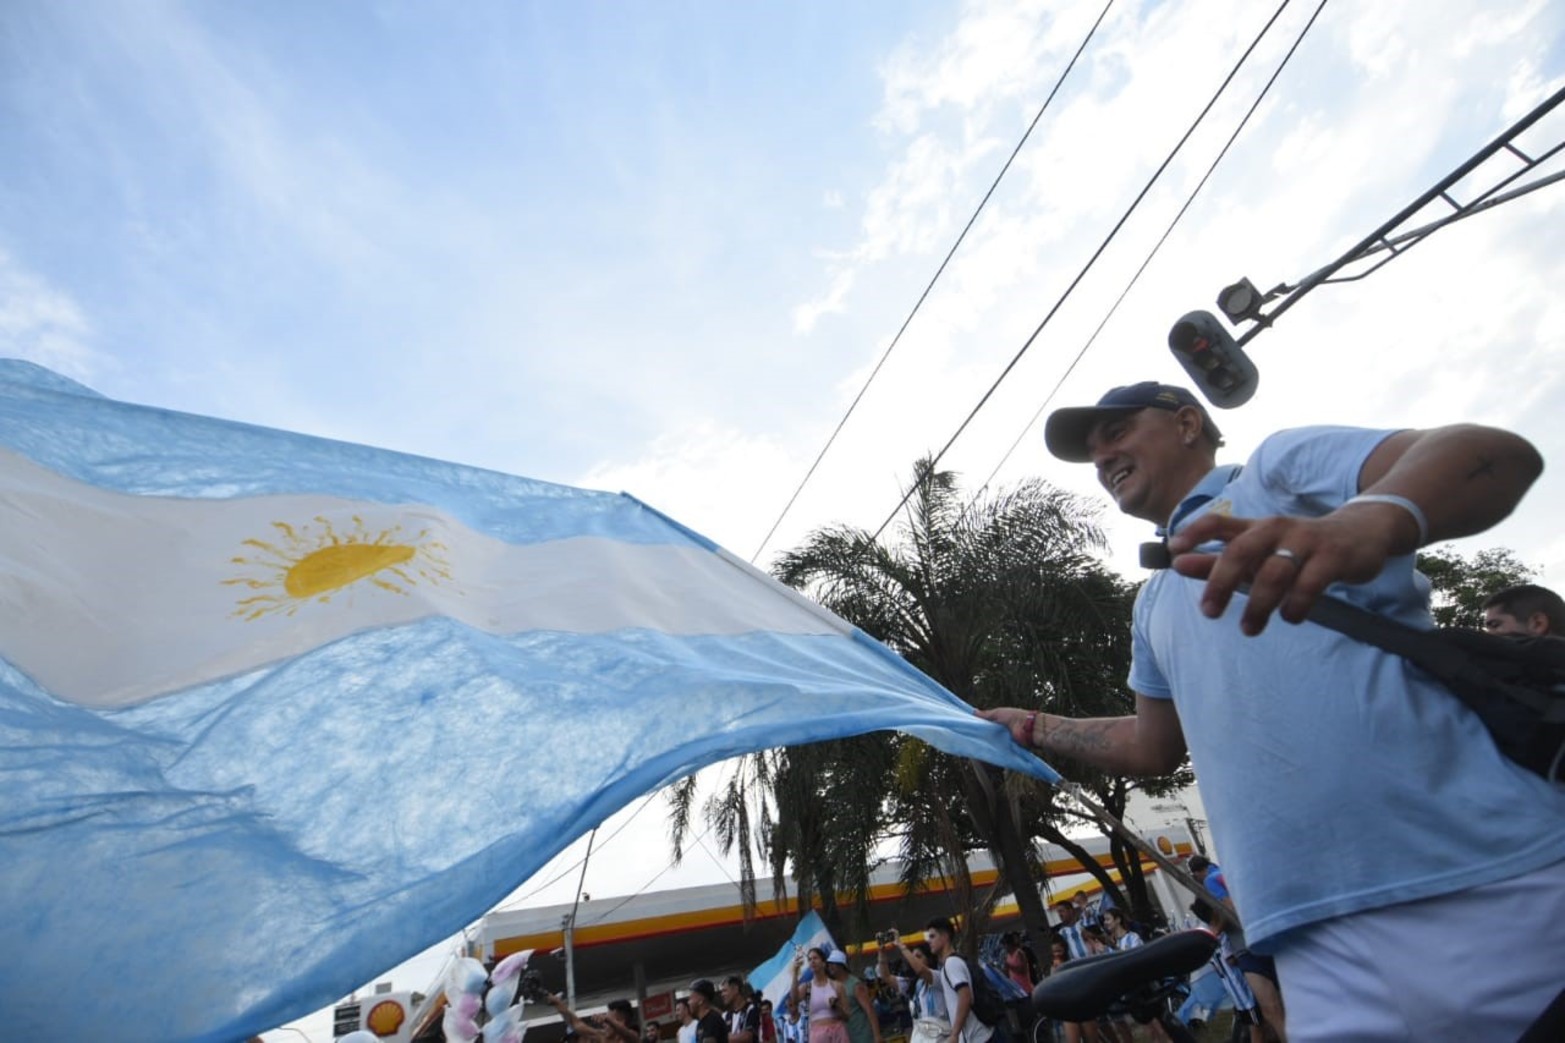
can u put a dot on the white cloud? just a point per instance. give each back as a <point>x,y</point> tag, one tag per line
<point>721,482</point>
<point>807,314</point>
<point>44,324</point>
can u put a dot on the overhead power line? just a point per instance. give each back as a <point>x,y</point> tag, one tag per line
<point>580,862</point>
<point>644,888</point>
<point>1114,308</point>
<point>1069,289</point>
<point>933,279</point>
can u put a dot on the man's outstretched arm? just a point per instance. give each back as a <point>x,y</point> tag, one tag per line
<point>1455,481</point>
<point>1150,742</point>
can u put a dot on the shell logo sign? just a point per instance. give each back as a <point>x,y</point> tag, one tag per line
<point>385,1018</point>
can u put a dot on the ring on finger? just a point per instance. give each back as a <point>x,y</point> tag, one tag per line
<point>1289,556</point>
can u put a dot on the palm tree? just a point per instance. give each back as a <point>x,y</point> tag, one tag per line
<point>1001,601</point>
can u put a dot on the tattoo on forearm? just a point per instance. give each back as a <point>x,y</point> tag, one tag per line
<point>1080,738</point>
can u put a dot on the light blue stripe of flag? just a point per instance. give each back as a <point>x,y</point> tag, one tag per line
<point>217,861</point>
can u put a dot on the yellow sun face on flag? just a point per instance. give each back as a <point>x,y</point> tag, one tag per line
<point>315,562</point>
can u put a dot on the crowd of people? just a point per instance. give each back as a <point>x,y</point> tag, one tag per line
<point>919,989</point>
<point>829,1002</point>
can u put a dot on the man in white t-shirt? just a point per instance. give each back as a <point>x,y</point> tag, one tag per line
<point>956,984</point>
<point>687,1021</point>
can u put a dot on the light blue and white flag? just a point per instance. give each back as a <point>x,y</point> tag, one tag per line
<point>773,977</point>
<point>277,712</point>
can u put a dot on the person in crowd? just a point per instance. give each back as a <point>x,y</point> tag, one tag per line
<point>651,1033</point>
<point>1088,912</point>
<point>686,1033</point>
<point>956,984</point>
<point>1260,972</point>
<point>932,1022</point>
<point>1118,927</point>
<point>790,1027</point>
<point>1017,966</point>
<point>768,1022</point>
<point>1527,610</point>
<point>1246,1010</point>
<point>863,1024</point>
<point>1070,932</point>
<point>616,1026</point>
<point>824,997</point>
<point>1069,929</point>
<point>742,1014</point>
<point>711,1026</point>
<point>620,1021</point>
<point>886,998</point>
<point>1434,834</point>
<point>1122,937</point>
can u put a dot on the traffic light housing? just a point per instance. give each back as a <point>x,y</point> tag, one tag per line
<point>1241,302</point>
<point>1217,364</point>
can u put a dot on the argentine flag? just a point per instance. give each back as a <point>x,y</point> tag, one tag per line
<point>277,712</point>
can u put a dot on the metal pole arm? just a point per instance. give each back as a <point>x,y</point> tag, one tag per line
<point>1381,238</point>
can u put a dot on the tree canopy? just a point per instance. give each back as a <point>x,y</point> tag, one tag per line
<point>1461,585</point>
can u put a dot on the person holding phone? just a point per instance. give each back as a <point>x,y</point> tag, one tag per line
<point>825,998</point>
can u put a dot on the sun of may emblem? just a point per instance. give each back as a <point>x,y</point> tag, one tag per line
<point>315,562</point>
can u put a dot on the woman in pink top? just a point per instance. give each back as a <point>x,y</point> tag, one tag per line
<point>827,999</point>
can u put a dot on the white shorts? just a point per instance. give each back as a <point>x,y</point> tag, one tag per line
<point>1480,964</point>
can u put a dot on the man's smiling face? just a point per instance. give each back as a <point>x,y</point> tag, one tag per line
<point>1143,460</point>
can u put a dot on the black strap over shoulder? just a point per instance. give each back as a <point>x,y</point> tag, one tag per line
<point>1516,686</point>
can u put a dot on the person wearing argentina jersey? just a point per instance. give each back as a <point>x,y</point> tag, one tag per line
<point>1246,1010</point>
<point>1415,828</point>
<point>1069,931</point>
<point>1260,972</point>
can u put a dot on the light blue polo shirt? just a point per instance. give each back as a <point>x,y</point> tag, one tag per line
<point>1337,778</point>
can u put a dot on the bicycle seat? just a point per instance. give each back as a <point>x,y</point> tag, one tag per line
<point>1083,989</point>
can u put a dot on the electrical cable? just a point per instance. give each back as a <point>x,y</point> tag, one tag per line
<point>1069,289</point>
<point>579,862</point>
<point>1157,247</point>
<point>644,887</point>
<point>933,279</point>
<point>716,862</point>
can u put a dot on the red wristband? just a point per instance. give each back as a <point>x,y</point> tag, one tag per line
<point>1029,724</point>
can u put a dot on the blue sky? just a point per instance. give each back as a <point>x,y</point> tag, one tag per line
<point>660,251</point>
<point>371,222</point>
<point>659,248</point>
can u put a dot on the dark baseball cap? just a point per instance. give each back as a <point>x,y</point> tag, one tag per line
<point>1066,432</point>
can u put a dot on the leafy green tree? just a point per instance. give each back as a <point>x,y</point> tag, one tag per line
<point>1461,585</point>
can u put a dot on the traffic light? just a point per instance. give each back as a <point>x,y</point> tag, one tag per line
<point>1220,368</point>
<point>1241,302</point>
